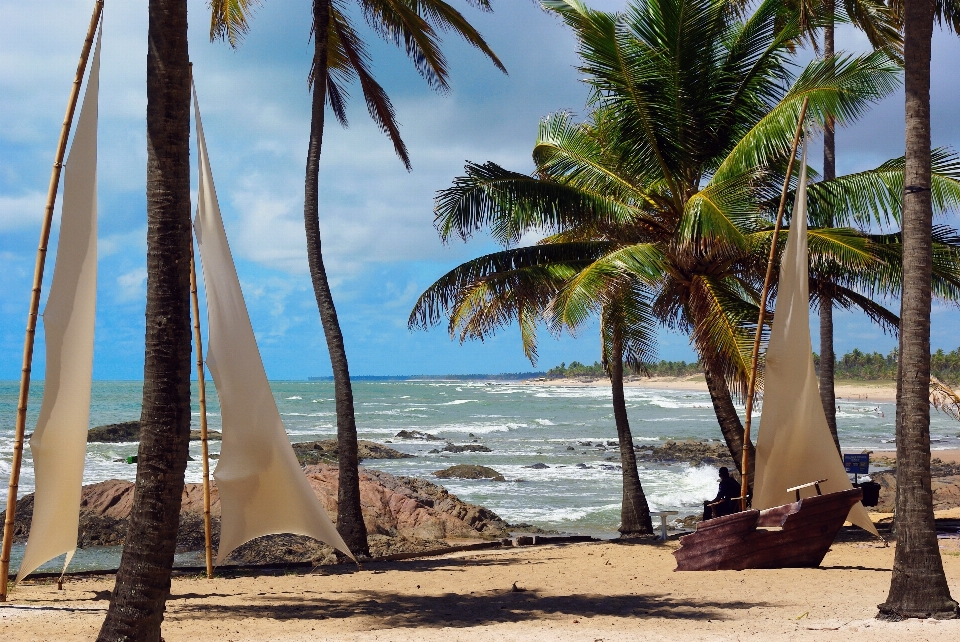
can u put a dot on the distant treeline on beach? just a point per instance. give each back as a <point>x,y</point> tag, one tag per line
<point>661,369</point>
<point>854,366</point>
<point>862,366</point>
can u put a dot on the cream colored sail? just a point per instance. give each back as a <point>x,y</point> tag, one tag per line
<point>262,487</point>
<point>59,443</point>
<point>794,445</point>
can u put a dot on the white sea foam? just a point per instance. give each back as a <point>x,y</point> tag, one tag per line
<point>457,402</point>
<point>294,398</point>
<point>544,422</point>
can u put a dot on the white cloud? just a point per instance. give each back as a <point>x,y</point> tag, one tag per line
<point>21,211</point>
<point>135,240</point>
<point>131,286</point>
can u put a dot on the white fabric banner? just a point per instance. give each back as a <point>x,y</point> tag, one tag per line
<point>794,445</point>
<point>262,487</point>
<point>59,443</point>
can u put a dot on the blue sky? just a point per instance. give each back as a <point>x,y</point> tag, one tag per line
<point>376,219</point>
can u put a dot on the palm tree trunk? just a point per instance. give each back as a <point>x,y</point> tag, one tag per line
<point>730,425</point>
<point>634,512</point>
<point>349,515</point>
<point>143,580</point>
<point>918,587</point>
<point>828,395</point>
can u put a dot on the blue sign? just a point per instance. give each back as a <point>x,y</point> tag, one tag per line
<point>857,464</point>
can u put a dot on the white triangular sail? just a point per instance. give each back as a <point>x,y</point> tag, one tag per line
<point>262,487</point>
<point>794,445</point>
<point>59,443</point>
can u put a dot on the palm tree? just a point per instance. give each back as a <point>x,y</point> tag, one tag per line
<point>918,586</point>
<point>684,206</point>
<point>703,254</point>
<point>340,57</point>
<point>143,580</point>
<point>882,28</point>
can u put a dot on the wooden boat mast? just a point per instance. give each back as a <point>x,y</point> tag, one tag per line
<point>752,382</point>
<point>28,342</point>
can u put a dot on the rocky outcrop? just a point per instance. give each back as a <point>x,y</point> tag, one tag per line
<point>469,471</point>
<point>946,492</point>
<point>129,431</point>
<point>466,448</point>
<point>695,453</point>
<point>326,451</point>
<point>400,513</point>
<point>417,434</point>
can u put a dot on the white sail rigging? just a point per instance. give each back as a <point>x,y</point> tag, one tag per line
<point>794,445</point>
<point>262,488</point>
<point>59,443</point>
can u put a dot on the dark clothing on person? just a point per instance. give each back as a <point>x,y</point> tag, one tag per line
<point>723,503</point>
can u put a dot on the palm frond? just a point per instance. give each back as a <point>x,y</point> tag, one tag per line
<point>230,20</point>
<point>511,204</point>
<point>378,103</point>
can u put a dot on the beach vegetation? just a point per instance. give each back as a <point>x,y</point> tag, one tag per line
<point>340,59</point>
<point>668,188</point>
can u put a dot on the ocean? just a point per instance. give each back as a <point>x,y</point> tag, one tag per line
<point>522,424</point>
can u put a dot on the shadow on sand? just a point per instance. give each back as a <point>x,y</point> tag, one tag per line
<point>455,609</point>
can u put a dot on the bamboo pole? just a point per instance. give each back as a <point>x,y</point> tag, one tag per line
<point>195,301</point>
<point>203,414</point>
<point>28,341</point>
<point>752,383</point>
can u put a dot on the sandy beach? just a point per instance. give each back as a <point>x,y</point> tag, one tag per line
<point>588,592</point>
<point>884,391</point>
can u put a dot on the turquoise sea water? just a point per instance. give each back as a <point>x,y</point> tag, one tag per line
<point>523,424</point>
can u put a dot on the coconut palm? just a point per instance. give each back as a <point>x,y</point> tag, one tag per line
<point>882,27</point>
<point>143,580</point>
<point>918,587</point>
<point>685,192</point>
<point>614,219</point>
<point>341,58</point>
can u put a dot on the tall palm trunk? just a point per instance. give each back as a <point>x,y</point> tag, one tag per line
<point>143,580</point>
<point>730,425</point>
<point>634,512</point>
<point>828,358</point>
<point>349,516</point>
<point>918,587</point>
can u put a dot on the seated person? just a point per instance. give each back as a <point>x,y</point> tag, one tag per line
<point>724,503</point>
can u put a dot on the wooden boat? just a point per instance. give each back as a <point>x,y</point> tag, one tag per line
<point>796,454</point>
<point>795,535</point>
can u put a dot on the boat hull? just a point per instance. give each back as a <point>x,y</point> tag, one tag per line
<point>795,535</point>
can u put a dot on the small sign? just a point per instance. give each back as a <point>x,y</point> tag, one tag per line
<point>857,464</point>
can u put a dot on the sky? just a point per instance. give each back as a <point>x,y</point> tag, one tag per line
<point>379,244</point>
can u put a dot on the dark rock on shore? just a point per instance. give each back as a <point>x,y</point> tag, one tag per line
<point>946,489</point>
<point>128,431</point>
<point>469,471</point>
<point>537,466</point>
<point>402,514</point>
<point>695,453</point>
<point>326,451</point>
<point>466,448</point>
<point>417,434</point>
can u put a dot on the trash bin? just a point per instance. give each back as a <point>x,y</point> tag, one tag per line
<point>871,493</point>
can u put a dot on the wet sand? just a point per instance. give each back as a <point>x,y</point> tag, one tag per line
<point>585,592</point>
